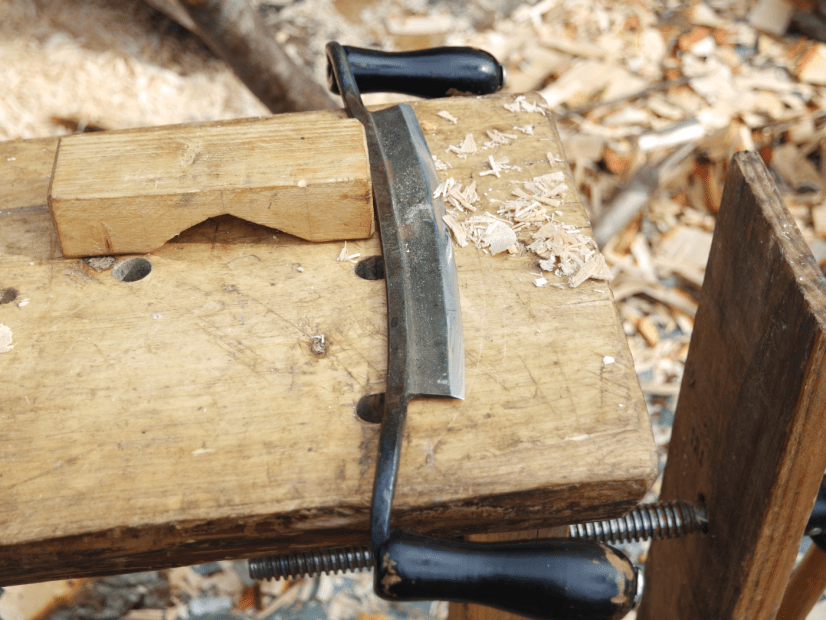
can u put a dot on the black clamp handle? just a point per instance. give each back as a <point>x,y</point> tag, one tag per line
<point>430,73</point>
<point>556,578</point>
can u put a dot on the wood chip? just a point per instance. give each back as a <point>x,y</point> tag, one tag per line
<point>811,67</point>
<point>343,256</point>
<point>499,238</point>
<point>819,219</point>
<point>458,230</point>
<point>464,148</point>
<point>440,165</point>
<point>648,331</point>
<point>496,166</point>
<point>521,104</point>
<point>448,116</point>
<point>5,339</point>
<point>595,268</point>
<point>497,138</point>
<point>772,16</point>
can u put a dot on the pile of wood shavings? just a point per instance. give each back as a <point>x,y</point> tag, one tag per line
<point>563,249</point>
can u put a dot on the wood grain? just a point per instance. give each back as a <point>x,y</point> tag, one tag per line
<point>749,436</point>
<point>25,174</point>
<point>131,191</point>
<point>806,586</point>
<point>185,417</point>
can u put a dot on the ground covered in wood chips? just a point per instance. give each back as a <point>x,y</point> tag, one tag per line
<point>651,98</point>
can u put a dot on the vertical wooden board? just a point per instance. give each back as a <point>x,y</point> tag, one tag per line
<point>749,436</point>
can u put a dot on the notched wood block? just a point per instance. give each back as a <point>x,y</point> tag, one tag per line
<point>131,191</point>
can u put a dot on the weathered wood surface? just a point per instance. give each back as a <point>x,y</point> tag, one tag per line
<point>749,437</point>
<point>131,191</point>
<point>191,415</point>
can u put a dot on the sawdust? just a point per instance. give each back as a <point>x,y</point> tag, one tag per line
<point>92,63</point>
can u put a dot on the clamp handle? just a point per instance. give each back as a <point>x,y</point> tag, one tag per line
<point>553,579</point>
<point>427,73</point>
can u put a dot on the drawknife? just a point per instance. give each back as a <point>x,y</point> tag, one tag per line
<point>555,578</point>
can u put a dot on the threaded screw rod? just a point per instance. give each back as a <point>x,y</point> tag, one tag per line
<point>311,563</point>
<point>646,521</point>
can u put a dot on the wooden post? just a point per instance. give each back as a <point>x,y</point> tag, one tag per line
<point>805,587</point>
<point>749,437</point>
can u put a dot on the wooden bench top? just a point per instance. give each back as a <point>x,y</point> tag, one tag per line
<point>191,416</point>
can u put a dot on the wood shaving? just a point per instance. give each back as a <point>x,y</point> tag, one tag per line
<point>448,116</point>
<point>564,249</point>
<point>498,238</point>
<point>343,256</point>
<point>497,138</point>
<point>440,165</point>
<point>498,166</point>
<point>554,159</point>
<point>458,230</point>
<point>5,339</point>
<point>526,129</point>
<point>595,268</point>
<point>458,198</point>
<point>464,148</point>
<point>521,104</point>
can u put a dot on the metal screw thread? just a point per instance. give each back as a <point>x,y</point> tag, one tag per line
<point>310,563</point>
<point>646,521</point>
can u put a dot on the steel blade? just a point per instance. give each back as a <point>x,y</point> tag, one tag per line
<point>424,313</point>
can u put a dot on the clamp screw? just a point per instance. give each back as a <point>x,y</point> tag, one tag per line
<point>646,521</point>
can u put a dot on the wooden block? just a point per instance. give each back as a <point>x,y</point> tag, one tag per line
<point>131,191</point>
<point>192,415</point>
<point>749,436</point>
<point>25,173</point>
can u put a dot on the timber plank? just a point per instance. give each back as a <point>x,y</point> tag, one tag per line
<point>187,416</point>
<point>749,436</point>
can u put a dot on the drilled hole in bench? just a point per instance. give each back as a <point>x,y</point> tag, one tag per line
<point>370,408</point>
<point>371,268</point>
<point>132,269</point>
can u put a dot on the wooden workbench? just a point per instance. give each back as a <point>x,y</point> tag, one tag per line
<point>191,415</point>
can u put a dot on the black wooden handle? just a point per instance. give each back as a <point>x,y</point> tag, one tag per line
<point>559,579</point>
<point>425,73</point>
